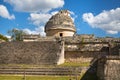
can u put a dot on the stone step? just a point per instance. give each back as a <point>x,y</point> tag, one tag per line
<point>43,71</point>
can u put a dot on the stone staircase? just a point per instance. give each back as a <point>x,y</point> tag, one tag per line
<point>62,71</point>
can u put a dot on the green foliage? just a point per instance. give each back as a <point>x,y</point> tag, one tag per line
<point>82,40</point>
<point>3,37</point>
<point>16,34</point>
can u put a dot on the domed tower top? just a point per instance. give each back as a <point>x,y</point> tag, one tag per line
<point>60,24</point>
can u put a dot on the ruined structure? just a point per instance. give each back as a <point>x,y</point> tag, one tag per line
<point>61,45</point>
<point>60,24</point>
<point>27,38</point>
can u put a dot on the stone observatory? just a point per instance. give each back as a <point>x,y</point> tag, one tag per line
<point>60,25</point>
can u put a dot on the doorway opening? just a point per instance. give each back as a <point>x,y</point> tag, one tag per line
<point>61,34</point>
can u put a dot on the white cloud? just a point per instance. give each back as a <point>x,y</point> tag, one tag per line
<point>39,11</point>
<point>35,5</point>
<point>5,14</point>
<point>28,31</point>
<point>8,36</point>
<point>72,15</point>
<point>54,12</point>
<point>106,20</point>
<point>38,30</point>
<point>39,19</point>
<point>112,32</point>
<point>71,12</point>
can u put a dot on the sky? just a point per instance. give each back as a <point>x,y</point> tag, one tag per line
<point>98,17</point>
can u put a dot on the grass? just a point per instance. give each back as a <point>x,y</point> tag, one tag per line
<point>82,76</point>
<point>73,64</point>
<point>20,77</point>
<point>66,64</point>
<point>24,65</point>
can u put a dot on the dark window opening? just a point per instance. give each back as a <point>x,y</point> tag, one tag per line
<point>61,34</point>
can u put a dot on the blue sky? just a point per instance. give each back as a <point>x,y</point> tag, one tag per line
<point>99,17</point>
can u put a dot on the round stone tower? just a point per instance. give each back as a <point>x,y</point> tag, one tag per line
<point>60,24</point>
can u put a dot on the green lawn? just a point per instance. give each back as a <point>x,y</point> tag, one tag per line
<point>73,64</point>
<point>24,66</point>
<point>20,77</point>
<point>66,64</point>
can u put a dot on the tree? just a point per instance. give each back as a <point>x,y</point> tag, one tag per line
<point>3,37</point>
<point>16,34</point>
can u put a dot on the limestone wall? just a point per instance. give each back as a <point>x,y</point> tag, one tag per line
<point>82,56</point>
<point>57,33</point>
<point>109,68</point>
<point>43,52</point>
<point>112,70</point>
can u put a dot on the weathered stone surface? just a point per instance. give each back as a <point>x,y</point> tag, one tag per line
<point>77,56</point>
<point>60,24</point>
<point>44,52</point>
<point>109,68</point>
<point>62,18</point>
<point>112,70</point>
